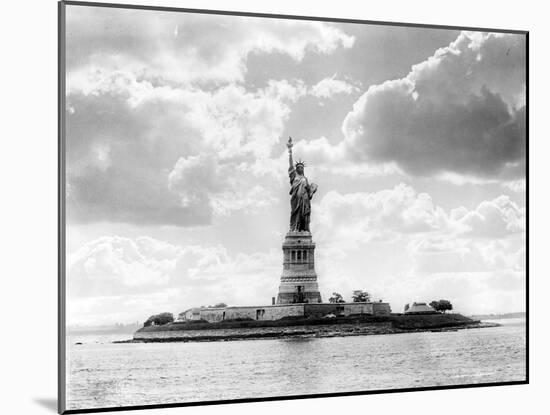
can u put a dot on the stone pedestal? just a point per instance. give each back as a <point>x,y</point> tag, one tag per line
<point>299,279</point>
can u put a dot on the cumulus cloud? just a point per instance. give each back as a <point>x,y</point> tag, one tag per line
<point>328,87</point>
<point>114,265</point>
<point>148,275</point>
<point>194,177</point>
<point>377,216</point>
<point>253,199</point>
<point>493,219</point>
<point>445,253</point>
<point>460,111</point>
<point>488,237</point>
<point>186,47</point>
<point>118,265</point>
<point>441,253</point>
<point>243,125</point>
<point>201,181</point>
<point>145,154</point>
<point>147,105</point>
<point>518,186</point>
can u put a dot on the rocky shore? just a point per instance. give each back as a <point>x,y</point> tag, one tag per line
<point>347,326</point>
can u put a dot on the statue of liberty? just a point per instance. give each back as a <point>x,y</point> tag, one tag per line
<point>301,192</point>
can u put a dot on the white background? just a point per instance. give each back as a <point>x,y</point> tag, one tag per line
<point>28,185</point>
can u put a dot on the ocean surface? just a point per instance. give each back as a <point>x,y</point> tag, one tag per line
<point>103,374</point>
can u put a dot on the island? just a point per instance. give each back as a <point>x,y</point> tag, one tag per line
<point>298,310</point>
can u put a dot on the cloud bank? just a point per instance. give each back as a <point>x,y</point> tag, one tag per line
<point>462,110</point>
<point>161,128</point>
<point>186,48</point>
<point>167,125</point>
<point>136,277</point>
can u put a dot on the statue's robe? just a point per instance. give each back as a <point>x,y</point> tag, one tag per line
<point>300,196</point>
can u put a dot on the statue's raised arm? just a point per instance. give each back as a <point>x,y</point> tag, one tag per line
<point>289,145</point>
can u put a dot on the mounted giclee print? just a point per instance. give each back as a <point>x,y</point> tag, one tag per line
<point>258,207</point>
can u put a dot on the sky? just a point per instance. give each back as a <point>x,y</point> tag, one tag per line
<point>176,163</point>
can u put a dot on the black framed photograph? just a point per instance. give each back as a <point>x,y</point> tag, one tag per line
<point>260,207</point>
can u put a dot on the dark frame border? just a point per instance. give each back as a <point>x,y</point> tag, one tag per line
<point>61,395</point>
<point>61,224</point>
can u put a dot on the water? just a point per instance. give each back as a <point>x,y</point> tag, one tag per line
<point>102,374</point>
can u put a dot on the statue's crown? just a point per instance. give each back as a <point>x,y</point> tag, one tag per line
<point>300,163</point>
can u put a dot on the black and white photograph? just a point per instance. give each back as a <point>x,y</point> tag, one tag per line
<point>262,207</point>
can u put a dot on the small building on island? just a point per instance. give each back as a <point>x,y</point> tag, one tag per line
<point>190,314</point>
<point>419,308</point>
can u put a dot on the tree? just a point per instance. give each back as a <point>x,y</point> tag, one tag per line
<point>336,298</point>
<point>407,306</point>
<point>360,296</point>
<point>159,319</point>
<point>445,305</point>
<point>441,305</point>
